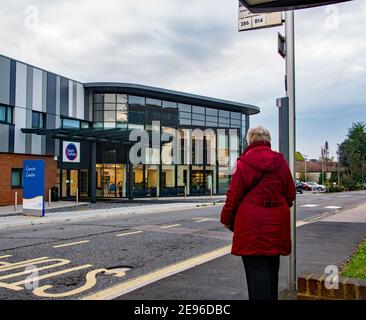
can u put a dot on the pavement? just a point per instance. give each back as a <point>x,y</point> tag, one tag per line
<point>8,211</point>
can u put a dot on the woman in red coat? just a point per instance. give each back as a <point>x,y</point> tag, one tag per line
<point>257,205</point>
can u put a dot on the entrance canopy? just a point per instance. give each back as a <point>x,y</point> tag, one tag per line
<point>116,135</point>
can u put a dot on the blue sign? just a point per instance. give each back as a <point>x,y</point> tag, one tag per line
<point>33,187</point>
<point>71,152</point>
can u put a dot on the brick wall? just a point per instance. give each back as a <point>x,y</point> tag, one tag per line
<point>9,161</point>
<point>312,287</point>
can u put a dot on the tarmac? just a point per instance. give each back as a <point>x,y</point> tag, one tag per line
<point>330,241</point>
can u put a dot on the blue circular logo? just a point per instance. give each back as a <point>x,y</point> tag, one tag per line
<point>71,152</point>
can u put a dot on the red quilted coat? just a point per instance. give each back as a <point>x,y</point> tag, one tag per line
<point>257,203</point>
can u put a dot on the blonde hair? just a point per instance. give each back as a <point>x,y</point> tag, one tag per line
<point>257,134</point>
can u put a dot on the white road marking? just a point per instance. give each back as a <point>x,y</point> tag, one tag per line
<point>310,205</point>
<point>71,244</point>
<point>333,207</point>
<point>128,233</point>
<point>171,226</point>
<point>203,220</point>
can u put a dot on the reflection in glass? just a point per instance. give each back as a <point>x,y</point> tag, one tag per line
<point>168,186</point>
<point>183,180</point>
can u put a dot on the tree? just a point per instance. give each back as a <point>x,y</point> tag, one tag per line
<point>353,153</point>
<point>325,159</point>
<point>299,156</point>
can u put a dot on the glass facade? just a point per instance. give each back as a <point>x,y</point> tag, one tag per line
<point>197,148</point>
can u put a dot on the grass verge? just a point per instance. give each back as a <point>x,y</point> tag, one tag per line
<point>356,267</point>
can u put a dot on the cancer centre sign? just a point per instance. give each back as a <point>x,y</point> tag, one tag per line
<point>33,187</point>
<point>71,152</point>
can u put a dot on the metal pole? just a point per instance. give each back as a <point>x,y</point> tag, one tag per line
<point>77,195</point>
<point>338,166</point>
<point>16,201</point>
<point>305,171</point>
<point>49,198</point>
<point>290,90</point>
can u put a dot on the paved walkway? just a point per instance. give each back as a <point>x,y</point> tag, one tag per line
<point>65,205</point>
<point>326,242</point>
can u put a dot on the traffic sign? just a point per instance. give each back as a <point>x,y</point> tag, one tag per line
<point>250,21</point>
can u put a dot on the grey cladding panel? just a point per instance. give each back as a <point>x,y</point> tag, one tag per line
<point>29,88</point>
<point>51,93</point>
<point>4,134</point>
<point>64,97</point>
<point>4,80</point>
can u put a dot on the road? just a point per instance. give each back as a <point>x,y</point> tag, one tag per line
<point>73,260</point>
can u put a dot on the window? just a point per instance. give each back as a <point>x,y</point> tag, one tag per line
<point>211,112</point>
<point>153,102</point>
<point>136,100</point>
<point>70,124</point>
<point>169,105</point>
<point>184,107</point>
<point>6,114</point>
<point>16,178</point>
<point>109,98</point>
<point>122,98</point>
<point>85,125</point>
<point>38,120</point>
<point>199,110</point>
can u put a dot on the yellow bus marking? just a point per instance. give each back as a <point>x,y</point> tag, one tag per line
<point>61,262</point>
<point>128,233</point>
<point>3,257</point>
<point>51,275</point>
<point>71,244</point>
<point>91,281</point>
<point>21,264</point>
<point>136,283</point>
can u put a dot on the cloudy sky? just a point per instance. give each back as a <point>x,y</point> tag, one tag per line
<point>194,46</point>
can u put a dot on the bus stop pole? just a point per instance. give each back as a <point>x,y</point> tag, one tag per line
<point>290,91</point>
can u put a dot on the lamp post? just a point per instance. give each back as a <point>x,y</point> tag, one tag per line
<point>263,6</point>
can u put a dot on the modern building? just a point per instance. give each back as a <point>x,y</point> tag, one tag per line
<point>82,131</point>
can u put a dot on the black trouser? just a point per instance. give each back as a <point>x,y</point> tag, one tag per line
<point>262,276</point>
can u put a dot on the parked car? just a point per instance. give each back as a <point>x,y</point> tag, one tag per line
<point>306,186</point>
<point>299,187</point>
<point>314,186</point>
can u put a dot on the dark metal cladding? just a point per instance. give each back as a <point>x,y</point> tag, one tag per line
<point>286,5</point>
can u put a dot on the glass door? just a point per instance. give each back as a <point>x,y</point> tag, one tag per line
<point>198,183</point>
<point>70,183</point>
<point>74,182</point>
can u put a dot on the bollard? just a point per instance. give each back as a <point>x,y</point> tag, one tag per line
<point>16,201</point>
<point>49,198</point>
<point>211,192</point>
<point>157,194</point>
<point>77,195</point>
<point>185,191</point>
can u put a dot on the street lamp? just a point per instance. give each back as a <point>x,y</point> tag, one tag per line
<point>259,6</point>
